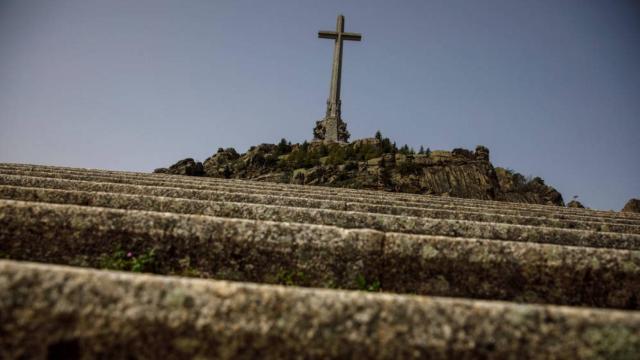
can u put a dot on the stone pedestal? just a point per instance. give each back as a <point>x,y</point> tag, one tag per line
<point>331,129</point>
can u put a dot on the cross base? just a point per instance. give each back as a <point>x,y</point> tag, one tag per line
<point>331,129</point>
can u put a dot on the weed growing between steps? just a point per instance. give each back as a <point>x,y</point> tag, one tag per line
<point>129,261</point>
<point>367,285</point>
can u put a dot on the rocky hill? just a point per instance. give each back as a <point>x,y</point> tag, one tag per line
<point>375,163</point>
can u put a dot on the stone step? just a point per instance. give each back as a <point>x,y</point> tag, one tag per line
<point>18,180</point>
<point>319,256</point>
<point>133,200</point>
<point>429,210</point>
<point>48,311</point>
<point>386,195</point>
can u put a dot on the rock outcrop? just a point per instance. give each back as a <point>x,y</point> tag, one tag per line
<point>575,204</point>
<point>632,205</point>
<point>376,164</point>
<point>183,167</point>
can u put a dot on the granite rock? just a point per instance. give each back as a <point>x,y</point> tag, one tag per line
<point>632,206</point>
<point>51,311</point>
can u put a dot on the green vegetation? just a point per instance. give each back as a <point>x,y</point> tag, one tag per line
<point>426,152</point>
<point>129,261</point>
<point>302,157</point>
<point>308,155</point>
<point>408,167</point>
<point>406,150</point>
<point>291,277</point>
<point>284,147</point>
<point>365,285</point>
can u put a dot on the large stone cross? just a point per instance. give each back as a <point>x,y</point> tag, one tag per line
<point>332,128</point>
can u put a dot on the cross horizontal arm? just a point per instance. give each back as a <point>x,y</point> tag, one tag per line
<point>351,36</point>
<point>327,34</point>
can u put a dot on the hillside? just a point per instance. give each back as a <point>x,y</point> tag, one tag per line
<point>377,164</point>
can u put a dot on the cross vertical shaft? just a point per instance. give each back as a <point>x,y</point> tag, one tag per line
<point>333,121</point>
<point>333,105</point>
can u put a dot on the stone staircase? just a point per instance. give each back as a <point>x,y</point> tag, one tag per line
<point>251,269</point>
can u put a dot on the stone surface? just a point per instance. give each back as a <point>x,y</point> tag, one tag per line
<point>396,198</point>
<point>482,153</point>
<point>575,204</point>
<point>219,164</point>
<point>424,221</point>
<point>52,173</point>
<point>535,257</point>
<point>52,310</point>
<point>331,129</point>
<point>323,256</point>
<point>632,206</point>
<point>183,167</point>
<point>515,188</point>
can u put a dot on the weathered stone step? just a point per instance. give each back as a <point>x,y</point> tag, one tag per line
<point>436,210</point>
<point>344,219</point>
<point>49,310</point>
<point>380,194</point>
<point>56,182</point>
<point>407,197</point>
<point>386,195</point>
<point>319,256</point>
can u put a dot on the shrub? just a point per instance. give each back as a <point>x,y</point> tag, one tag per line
<point>337,156</point>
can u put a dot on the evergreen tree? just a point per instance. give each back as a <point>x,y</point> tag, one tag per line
<point>404,150</point>
<point>379,136</point>
<point>284,147</point>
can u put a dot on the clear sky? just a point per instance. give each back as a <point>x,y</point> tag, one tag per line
<point>552,87</point>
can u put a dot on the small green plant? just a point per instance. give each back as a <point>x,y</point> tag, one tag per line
<point>290,277</point>
<point>144,262</point>
<point>365,285</point>
<point>128,261</point>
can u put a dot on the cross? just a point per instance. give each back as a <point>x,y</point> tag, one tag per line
<point>333,104</point>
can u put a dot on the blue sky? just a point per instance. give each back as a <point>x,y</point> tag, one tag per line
<point>552,87</point>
